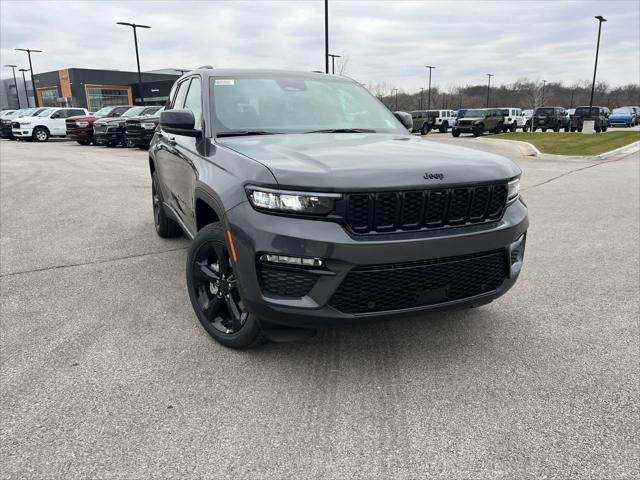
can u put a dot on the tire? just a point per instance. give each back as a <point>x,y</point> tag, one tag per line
<point>604,129</point>
<point>556,128</point>
<point>566,129</point>
<point>444,128</point>
<point>544,129</point>
<point>525,128</point>
<point>165,227</point>
<point>533,129</point>
<point>425,129</point>
<point>40,134</point>
<point>579,129</point>
<point>84,142</point>
<point>513,127</point>
<point>597,129</point>
<point>498,129</point>
<point>455,132</point>
<point>215,294</point>
<point>477,131</point>
<point>572,129</point>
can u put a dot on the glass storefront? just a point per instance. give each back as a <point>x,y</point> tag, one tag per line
<point>49,97</point>
<point>105,96</point>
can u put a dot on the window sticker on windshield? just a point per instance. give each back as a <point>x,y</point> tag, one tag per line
<point>225,81</point>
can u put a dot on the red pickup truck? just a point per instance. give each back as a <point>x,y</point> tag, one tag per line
<point>80,128</point>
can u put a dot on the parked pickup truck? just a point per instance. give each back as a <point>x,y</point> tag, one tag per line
<point>139,130</point>
<point>111,131</point>
<point>7,120</point>
<point>80,128</point>
<point>48,123</point>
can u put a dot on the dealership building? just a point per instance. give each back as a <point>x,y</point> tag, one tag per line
<point>92,89</point>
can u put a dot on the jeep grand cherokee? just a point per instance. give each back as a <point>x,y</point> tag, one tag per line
<point>309,205</point>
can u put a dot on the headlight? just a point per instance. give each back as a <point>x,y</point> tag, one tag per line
<point>82,124</point>
<point>294,202</point>
<point>148,126</point>
<point>514,189</point>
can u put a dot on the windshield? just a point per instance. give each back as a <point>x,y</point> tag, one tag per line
<point>102,112</point>
<point>544,111</point>
<point>46,112</point>
<point>585,111</point>
<point>133,112</point>
<point>290,103</point>
<point>151,110</point>
<point>475,113</point>
<point>623,110</point>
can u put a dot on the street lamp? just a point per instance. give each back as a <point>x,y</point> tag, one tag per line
<point>182,72</point>
<point>421,90</point>
<point>430,67</point>
<point>33,83</point>
<point>489,87</point>
<point>26,93</point>
<point>135,40</point>
<point>326,36</point>
<point>15,82</point>
<point>544,82</point>
<point>333,63</point>
<point>396,90</point>
<point>600,19</point>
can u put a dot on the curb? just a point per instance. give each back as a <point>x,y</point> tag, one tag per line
<point>538,153</point>
<point>630,147</point>
<point>533,151</point>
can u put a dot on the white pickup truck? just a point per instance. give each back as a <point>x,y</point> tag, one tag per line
<point>48,123</point>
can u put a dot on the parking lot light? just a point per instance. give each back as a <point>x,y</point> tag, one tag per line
<point>396,90</point>
<point>489,87</point>
<point>135,41</point>
<point>33,83</point>
<point>544,82</point>
<point>430,67</point>
<point>15,82</point>
<point>600,19</point>
<point>24,80</point>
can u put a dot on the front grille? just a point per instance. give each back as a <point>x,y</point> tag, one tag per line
<point>412,210</point>
<point>99,128</point>
<point>285,282</point>
<point>394,287</point>
<point>70,124</point>
<point>133,126</point>
<point>15,125</point>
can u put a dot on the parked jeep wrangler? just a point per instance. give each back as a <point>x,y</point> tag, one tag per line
<point>309,204</point>
<point>513,119</point>
<point>598,115</point>
<point>478,121</point>
<point>550,118</point>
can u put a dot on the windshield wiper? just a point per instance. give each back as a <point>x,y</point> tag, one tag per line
<point>240,133</point>
<point>343,130</point>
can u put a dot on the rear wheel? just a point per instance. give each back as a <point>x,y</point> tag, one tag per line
<point>477,131</point>
<point>526,126</point>
<point>425,129</point>
<point>544,129</point>
<point>534,129</point>
<point>40,134</point>
<point>214,291</point>
<point>566,129</point>
<point>498,129</point>
<point>513,127</point>
<point>165,226</point>
<point>556,128</point>
<point>604,129</point>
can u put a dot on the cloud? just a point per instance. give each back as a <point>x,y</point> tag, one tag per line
<point>384,41</point>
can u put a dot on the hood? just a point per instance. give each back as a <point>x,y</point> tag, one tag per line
<point>112,120</point>
<point>348,161</point>
<point>145,118</point>
<point>620,115</point>
<point>89,118</point>
<point>473,119</point>
<point>24,119</point>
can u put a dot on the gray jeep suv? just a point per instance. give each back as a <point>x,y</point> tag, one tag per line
<point>309,205</point>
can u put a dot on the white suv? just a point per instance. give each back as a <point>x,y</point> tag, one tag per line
<point>513,119</point>
<point>49,123</point>
<point>444,120</point>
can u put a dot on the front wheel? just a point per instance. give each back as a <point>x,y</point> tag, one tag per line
<point>566,129</point>
<point>604,129</point>
<point>214,291</point>
<point>525,128</point>
<point>84,142</point>
<point>455,132</point>
<point>41,134</point>
<point>477,131</point>
<point>544,129</point>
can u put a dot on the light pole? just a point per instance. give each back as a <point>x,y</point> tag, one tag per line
<point>326,36</point>
<point>572,92</point>
<point>544,82</point>
<point>489,87</point>
<point>600,19</point>
<point>333,62</point>
<point>135,40</point>
<point>15,82</point>
<point>421,90</point>
<point>430,67</point>
<point>182,72</point>
<point>396,90</point>
<point>24,80</point>
<point>33,83</point>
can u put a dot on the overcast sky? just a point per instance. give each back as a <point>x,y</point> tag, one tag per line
<point>383,40</point>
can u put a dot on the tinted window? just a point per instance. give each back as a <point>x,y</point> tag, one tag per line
<point>194,101</point>
<point>73,113</point>
<point>119,111</point>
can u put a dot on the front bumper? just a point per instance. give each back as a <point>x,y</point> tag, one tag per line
<point>255,233</point>
<point>467,128</point>
<point>107,137</point>
<point>140,139</point>
<point>22,132</point>
<point>80,134</point>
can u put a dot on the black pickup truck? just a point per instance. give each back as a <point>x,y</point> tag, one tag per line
<point>139,130</point>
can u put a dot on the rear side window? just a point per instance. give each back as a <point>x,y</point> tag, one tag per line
<point>193,101</point>
<point>76,112</point>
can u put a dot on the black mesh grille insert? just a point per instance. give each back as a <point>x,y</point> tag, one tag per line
<point>286,282</point>
<point>393,211</point>
<point>393,287</point>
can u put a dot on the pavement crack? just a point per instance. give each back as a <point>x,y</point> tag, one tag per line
<point>97,262</point>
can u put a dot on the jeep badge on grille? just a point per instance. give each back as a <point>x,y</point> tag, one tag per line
<point>433,176</point>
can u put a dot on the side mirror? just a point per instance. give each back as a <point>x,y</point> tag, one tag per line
<point>405,119</point>
<point>179,122</point>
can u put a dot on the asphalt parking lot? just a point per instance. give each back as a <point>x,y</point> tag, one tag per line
<point>106,373</point>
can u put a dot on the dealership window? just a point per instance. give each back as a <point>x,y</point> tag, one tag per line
<point>105,96</point>
<point>49,97</point>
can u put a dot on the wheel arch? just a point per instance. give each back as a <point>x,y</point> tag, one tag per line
<point>207,207</point>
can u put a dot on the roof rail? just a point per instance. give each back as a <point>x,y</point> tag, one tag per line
<point>208,67</point>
